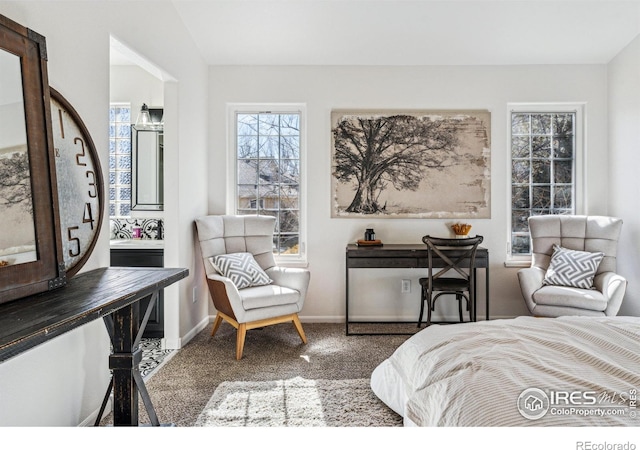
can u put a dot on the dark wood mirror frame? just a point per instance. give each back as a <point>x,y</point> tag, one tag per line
<point>47,271</point>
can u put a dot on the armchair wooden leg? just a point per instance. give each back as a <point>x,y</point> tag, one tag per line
<point>216,324</point>
<point>240,335</point>
<point>298,325</point>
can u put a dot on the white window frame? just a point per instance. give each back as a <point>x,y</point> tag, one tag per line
<point>580,153</point>
<point>299,260</point>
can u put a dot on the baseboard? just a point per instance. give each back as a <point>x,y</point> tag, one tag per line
<point>321,319</point>
<point>411,318</point>
<point>342,319</point>
<point>179,343</point>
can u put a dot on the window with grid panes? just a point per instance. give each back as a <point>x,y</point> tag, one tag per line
<point>119,160</point>
<point>267,155</point>
<point>543,170</point>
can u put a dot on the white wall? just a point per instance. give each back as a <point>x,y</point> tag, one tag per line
<point>78,40</point>
<point>135,85</point>
<point>376,293</point>
<point>624,157</point>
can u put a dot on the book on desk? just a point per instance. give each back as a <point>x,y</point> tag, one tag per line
<point>364,243</point>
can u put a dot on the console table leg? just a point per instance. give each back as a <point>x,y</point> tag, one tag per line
<point>125,333</point>
<point>123,362</point>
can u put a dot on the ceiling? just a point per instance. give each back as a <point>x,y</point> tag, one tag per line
<point>409,32</point>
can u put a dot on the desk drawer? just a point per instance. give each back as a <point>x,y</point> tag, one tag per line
<point>382,263</point>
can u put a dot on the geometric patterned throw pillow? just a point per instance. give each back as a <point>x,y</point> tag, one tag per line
<point>241,268</point>
<point>572,268</point>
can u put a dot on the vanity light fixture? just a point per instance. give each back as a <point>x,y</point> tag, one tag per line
<point>144,119</point>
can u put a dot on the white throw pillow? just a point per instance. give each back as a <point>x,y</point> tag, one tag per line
<point>241,268</point>
<point>572,268</point>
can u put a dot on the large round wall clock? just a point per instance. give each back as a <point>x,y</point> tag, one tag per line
<point>80,185</point>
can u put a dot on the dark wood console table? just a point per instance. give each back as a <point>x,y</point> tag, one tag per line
<point>401,256</point>
<point>111,293</point>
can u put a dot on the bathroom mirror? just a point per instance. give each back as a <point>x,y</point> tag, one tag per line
<point>147,185</point>
<point>30,243</point>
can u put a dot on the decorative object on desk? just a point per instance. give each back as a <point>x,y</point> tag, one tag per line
<point>371,243</point>
<point>461,230</point>
<point>31,238</point>
<point>79,184</point>
<point>420,164</point>
<point>369,235</point>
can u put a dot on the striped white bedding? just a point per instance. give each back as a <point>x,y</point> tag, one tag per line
<point>473,374</point>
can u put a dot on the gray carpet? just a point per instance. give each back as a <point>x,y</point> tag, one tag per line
<point>181,389</point>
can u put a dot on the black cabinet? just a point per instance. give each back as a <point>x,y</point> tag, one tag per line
<point>152,257</point>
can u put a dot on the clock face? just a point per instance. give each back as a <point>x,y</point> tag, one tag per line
<point>80,186</point>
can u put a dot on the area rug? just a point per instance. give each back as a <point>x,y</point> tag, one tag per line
<point>296,402</point>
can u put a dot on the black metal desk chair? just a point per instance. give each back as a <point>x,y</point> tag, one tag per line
<point>459,256</point>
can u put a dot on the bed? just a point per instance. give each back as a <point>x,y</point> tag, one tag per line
<point>498,373</point>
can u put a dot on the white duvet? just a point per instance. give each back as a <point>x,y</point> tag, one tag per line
<point>474,374</point>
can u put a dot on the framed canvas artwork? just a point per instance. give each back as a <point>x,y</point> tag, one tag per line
<point>411,164</point>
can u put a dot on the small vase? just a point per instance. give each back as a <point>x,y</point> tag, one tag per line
<point>369,235</point>
<point>462,236</point>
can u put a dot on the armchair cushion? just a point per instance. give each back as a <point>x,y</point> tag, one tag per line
<point>572,268</point>
<point>268,296</point>
<point>589,299</point>
<point>241,268</point>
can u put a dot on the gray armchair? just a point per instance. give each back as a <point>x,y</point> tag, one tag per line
<point>254,306</point>
<point>583,233</point>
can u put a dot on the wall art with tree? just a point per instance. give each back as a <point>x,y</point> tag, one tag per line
<point>411,164</point>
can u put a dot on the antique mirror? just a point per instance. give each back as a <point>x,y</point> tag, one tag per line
<point>147,184</point>
<point>30,246</point>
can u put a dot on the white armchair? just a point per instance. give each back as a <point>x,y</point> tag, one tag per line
<point>583,233</point>
<point>254,306</point>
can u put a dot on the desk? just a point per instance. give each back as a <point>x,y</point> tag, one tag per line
<point>111,293</point>
<point>400,256</point>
